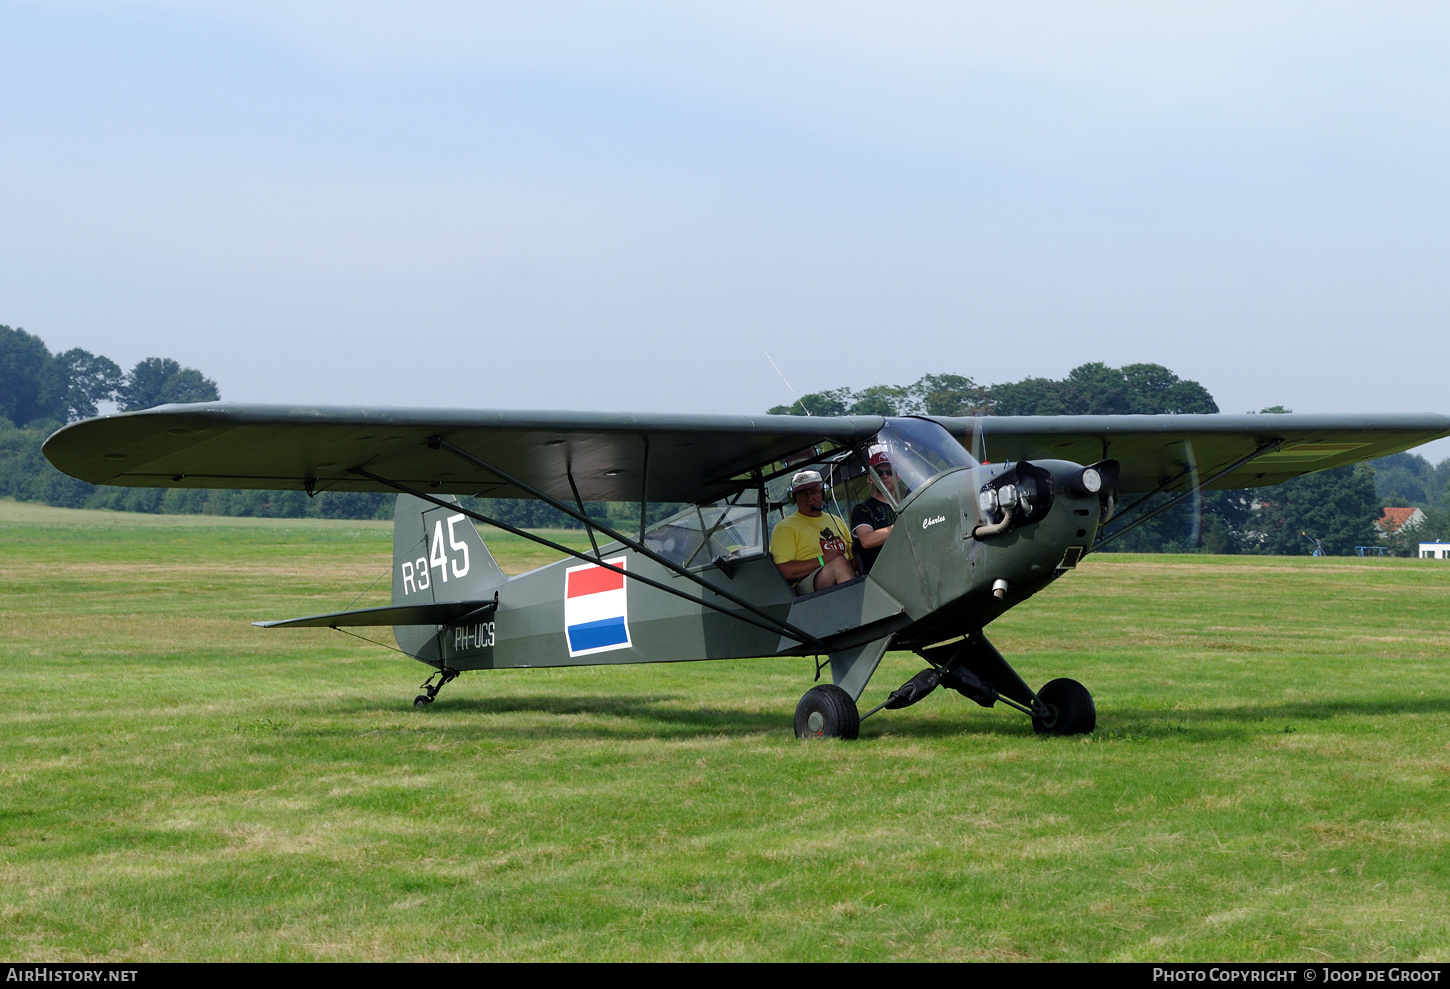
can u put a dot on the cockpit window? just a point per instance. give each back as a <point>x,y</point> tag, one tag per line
<point>730,529</point>
<point>917,451</point>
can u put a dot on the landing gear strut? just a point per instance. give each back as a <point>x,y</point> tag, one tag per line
<point>431,689</point>
<point>975,669</point>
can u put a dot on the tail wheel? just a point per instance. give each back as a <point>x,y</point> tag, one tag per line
<point>1068,710</point>
<point>827,711</point>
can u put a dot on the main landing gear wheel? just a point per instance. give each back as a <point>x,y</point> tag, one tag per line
<point>1068,710</point>
<point>422,700</point>
<point>827,711</point>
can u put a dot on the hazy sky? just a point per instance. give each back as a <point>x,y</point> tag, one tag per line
<point>623,206</point>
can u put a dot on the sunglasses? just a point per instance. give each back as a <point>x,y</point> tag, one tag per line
<point>885,471</point>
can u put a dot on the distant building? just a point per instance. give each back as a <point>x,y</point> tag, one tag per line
<point>1395,519</point>
<point>1435,551</point>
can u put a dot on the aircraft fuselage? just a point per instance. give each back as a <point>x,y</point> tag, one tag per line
<point>932,580</point>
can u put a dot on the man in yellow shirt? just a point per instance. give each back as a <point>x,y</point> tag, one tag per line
<point>811,547</point>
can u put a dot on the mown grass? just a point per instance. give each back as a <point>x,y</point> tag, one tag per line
<point>1269,778</point>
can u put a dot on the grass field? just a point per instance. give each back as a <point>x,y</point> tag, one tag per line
<point>1270,777</point>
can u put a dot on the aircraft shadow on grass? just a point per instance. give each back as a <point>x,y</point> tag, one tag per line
<point>643,716</point>
<point>650,716</point>
<point>654,715</point>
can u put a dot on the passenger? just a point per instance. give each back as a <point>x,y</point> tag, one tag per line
<point>871,521</point>
<point>810,546</point>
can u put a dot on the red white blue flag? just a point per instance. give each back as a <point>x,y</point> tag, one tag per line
<point>595,614</point>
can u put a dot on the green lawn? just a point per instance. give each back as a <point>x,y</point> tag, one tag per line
<point>1269,778</point>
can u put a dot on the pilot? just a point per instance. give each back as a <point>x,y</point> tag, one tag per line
<point>871,521</point>
<point>810,546</point>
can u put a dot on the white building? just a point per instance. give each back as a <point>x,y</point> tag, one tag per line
<point>1435,551</point>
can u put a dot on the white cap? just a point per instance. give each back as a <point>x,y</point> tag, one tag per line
<point>804,479</point>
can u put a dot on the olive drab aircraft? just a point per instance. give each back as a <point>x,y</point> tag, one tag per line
<point>972,537</point>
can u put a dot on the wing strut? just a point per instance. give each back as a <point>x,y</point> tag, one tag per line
<point>569,472</point>
<point>1156,491</point>
<point>643,491</point>
<point>769,624</point>
<point>1192,490</point>
<point>438,442</point>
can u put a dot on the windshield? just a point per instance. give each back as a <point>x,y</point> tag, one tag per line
<point>917,450</point>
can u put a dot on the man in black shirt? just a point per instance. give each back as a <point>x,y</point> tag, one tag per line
<point>871,521</point>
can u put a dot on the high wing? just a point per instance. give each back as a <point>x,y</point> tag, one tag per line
<point>1153,450</point>
<point>690,458</point>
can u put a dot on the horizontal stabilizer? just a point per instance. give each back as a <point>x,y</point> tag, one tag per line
<point>446,613</point>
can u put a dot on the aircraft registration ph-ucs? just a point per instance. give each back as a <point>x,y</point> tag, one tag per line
<point>972,539</point>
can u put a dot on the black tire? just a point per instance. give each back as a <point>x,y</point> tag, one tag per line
<point>827,711</point>
<point>422,700</point>
<point>1072,711</point>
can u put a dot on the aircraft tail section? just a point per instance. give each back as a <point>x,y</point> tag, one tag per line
<point>439,559</point>
<point>443,577</point>
<point>438,555</point>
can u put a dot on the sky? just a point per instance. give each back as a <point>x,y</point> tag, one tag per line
<point>626,206</point>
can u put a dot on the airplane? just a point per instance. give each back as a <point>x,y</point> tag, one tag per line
<point>973,537</point>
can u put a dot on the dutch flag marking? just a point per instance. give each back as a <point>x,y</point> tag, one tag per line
<point>595,616</point>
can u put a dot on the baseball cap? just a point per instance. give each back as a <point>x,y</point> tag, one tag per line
<point>804,479</point>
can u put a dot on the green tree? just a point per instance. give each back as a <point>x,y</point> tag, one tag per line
<point>31,387</point>
<point>40,390</point>
<point>932,394</point>
<point>948,395</point>
<point>1096,389</point>
<point>162,381</point>
<point>1031,397</point>
<point>1337,506</point>
<point>89,380</point>
<point>878,400</point>
<point>1152,389</point>
<point>820,403</point>
<point>1410,479</point>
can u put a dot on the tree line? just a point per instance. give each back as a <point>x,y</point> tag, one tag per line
<point>41,390</point>
<point>1092,389</point>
